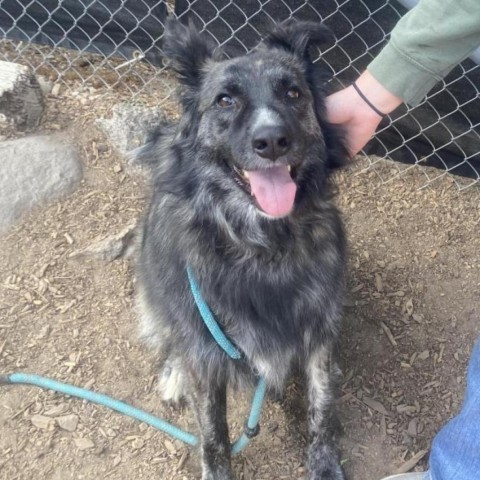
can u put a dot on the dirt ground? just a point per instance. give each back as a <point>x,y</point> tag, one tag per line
<point>411,319</point>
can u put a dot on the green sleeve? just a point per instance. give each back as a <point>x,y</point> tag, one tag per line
<point>425,45</point>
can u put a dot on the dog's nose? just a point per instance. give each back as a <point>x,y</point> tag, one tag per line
<point>271,141</point>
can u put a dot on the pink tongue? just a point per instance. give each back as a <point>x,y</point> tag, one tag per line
<point>274,190</point>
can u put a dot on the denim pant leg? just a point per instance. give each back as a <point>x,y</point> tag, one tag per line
<point>455,453</point>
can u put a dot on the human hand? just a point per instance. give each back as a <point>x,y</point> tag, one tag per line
<point>359,121</point>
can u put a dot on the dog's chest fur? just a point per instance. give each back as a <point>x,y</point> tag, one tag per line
<point>277,301</point>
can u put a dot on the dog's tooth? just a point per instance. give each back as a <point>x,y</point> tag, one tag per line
<point>245,174</point>
<point>289,167</point>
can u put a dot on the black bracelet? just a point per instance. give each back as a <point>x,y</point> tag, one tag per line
<point>367,101</point>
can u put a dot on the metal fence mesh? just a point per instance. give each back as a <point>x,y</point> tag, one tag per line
<point>108,45</point>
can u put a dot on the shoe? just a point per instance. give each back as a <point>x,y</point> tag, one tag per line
<point>406,476</point>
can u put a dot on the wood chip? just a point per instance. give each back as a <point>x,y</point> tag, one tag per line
<point>56,410</point>
<point>357,288</point>
<point>375,405</point>
<point>409,464</point>
<point>388,333</point>
<point>182,460</point>
<point>383,426</point>
<point>68,238</point>
<point>406,409</point>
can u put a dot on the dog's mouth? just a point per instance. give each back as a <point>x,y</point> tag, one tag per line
<point>273,188</point>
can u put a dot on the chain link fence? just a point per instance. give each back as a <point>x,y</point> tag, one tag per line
<point>107,45</point>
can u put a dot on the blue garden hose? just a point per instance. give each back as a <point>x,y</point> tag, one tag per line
<point>251,427</point>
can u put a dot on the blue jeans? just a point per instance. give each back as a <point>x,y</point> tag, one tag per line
<point>455,453</point>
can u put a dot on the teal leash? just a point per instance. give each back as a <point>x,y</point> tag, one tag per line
<point>209,320</point>
<point>251,427</point>
<point>100,399</point>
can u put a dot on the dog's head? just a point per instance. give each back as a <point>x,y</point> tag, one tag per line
<point>260,117</point>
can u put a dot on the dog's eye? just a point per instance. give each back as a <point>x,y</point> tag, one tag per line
<point>225,101</point>
<point>293,93</point>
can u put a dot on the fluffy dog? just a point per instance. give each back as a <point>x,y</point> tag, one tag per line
<point>241,195</point>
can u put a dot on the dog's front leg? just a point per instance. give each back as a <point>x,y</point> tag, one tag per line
<point>209,400</point>
<point>323,461</point>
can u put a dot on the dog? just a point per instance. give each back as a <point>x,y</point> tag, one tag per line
<point>242,196</point>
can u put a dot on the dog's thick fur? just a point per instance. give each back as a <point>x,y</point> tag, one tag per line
<point>274,283</point>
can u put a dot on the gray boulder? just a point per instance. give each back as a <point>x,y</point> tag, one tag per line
<point>34,170</point>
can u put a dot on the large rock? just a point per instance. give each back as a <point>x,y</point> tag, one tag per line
<point>131,125</point>
<point>33,170</point>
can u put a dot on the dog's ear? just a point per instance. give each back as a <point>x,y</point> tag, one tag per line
<point>297,37</point>
<point>186,51</point>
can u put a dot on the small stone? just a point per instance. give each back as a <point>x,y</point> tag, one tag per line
<point>424,355</point>
<point>56,90</point>
<point>412,427</point>
<point>68,422</point>
<point>117,168</point>
<point>417,318</point>
<point>102,148</point>
<point>83,443</point>
<point>170,447</point>
<point>43,422</point>
<point>112,247</point>
<point>138,443</point>
<point>45,84</point>
<point>44,332</point>
<point>409,307</point>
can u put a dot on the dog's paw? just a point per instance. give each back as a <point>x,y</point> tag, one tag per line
<point>172,383</point>
<point>216,476</point>
<point>328,474</point>
<point>324,464</point>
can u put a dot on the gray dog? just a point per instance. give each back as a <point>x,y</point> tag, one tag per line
<point>241,196</point>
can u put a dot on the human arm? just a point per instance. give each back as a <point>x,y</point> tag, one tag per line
<point>357,118</point>
<point>424,46</point>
